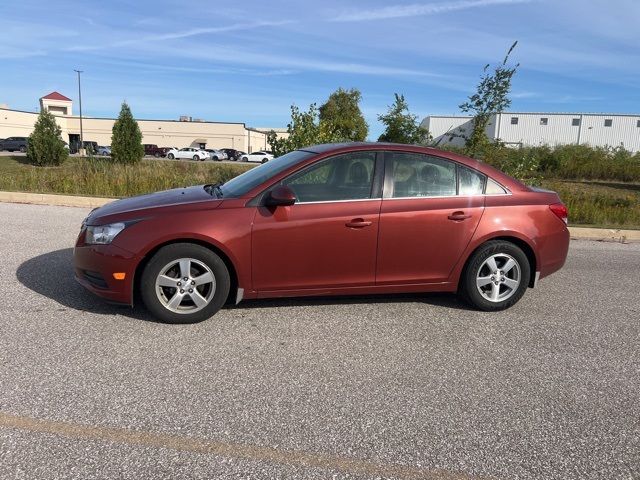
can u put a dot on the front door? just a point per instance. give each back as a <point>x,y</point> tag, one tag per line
<point>328,238</point>
<point>430,210</point>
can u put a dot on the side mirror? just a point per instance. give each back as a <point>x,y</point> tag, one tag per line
<point>280,196</point>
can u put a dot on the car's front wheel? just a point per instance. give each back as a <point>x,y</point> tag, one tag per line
<point>265,160</point>
<point>496,276</point>
<point>184,283</point>
<point>171,156</point>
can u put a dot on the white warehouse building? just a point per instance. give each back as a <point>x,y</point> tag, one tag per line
<point>534,129</point>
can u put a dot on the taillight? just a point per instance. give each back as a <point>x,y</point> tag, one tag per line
<point>560,209</point>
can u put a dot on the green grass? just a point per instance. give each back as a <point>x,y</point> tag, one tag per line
<point>590,202</point>
<point>599,203</point>
<point>103,178</point>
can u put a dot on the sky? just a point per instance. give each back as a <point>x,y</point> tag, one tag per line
<point>249,61</point>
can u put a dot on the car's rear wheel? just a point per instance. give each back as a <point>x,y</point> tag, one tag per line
<point>23,149</point>
<point>157,155</point>
<point>171,156</point>
<point>184,283</point>
<point>265,160</point>
<point>496,276</point>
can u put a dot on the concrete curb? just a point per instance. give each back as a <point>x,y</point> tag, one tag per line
<point>50,199</point>
<point>605,234</point>
<point>582,233</point>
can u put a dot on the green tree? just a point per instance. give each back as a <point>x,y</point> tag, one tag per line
<point>401,125</point>
<point>491,97</point>
<point>126,141</point>
<point>303,130</point>
<point>341,119</point>
<point>46,146</point>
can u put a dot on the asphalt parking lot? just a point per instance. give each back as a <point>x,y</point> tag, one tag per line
<point>413,386</point>
<point>147,157</point>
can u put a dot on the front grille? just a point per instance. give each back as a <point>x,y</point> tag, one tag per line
<point>95,279</point>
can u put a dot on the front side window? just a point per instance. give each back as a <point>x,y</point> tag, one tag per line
<point>419,175</point>
<point>343,177</point>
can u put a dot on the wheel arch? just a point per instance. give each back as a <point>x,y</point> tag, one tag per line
<point>510,237</point>
<point>233,273</point>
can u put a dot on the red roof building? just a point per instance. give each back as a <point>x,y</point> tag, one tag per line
<point>56,96</point>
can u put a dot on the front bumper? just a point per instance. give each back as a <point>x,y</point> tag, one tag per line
<point>94,266</point>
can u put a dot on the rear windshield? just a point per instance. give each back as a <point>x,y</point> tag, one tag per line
<point>250,179</point>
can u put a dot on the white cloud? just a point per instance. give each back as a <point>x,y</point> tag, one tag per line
<point>418,9</point>
<point>176,35</point>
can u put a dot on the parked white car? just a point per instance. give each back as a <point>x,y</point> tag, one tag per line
<point>217,155</point>
<point>261,157</point>
<point>188,152</point>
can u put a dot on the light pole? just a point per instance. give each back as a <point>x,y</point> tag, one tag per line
<point>80,101</point>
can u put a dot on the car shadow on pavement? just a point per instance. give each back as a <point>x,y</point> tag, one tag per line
<point>447,300</point>
<point>51,274</point>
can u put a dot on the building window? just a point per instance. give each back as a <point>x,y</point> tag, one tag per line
<point>575,122</point>
<point>608,122</point>
<point>514,120</point>
<point>638,124</point>
<point>544,121</point>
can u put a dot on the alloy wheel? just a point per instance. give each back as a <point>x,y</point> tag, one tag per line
<point>185,285</point>
<point>498,278</point>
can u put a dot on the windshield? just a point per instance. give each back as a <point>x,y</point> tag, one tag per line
<point>250,179</point>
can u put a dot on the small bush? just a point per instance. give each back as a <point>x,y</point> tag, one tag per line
<point>45,146</point>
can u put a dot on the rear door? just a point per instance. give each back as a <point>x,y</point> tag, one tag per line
<point>328,238</point>
<point>430,209</point>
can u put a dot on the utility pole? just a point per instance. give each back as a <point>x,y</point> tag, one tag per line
<point>81,148</point>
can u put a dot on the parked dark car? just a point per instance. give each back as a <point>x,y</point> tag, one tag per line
<point>90,147</point>
<point>13,144</point>
<point>341,219</point>
<point>154,150</point>
<point>232,153</point>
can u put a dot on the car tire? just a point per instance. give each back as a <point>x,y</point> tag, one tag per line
<point>215,158</point>
<point>23,149</point>
<point>264,160</point>
<point>171,156</point>
<point>244,159</point>
<point>166,266</point>
<point>157,155</point>
<point>496,276</point>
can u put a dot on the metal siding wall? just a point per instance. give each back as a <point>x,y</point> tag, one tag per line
<point>441,127</point>
<point>529,131</point>
<point>558,131</point>
<point>624,131</point>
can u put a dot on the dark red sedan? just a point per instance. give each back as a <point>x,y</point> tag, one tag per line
<point>343,219</point>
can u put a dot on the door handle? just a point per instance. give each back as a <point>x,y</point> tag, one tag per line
<point>458,216</point>
<point>358,223</point>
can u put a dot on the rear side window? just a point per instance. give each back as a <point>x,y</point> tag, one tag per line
<point>470,182</point>
<point>343,177</point>
<point>419,175</point>
<point>494,188</point>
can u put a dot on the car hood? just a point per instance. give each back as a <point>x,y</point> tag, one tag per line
<point>134,207</point>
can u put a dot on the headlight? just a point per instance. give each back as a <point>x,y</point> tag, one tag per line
<point>103,234</point>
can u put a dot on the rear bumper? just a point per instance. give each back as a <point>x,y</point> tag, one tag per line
<point>94,266</point>
<point>552,251</point>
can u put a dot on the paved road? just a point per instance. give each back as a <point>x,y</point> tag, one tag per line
<point>385,387</point>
